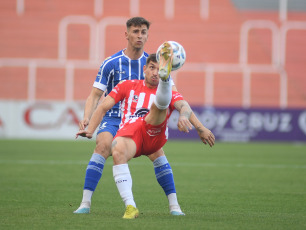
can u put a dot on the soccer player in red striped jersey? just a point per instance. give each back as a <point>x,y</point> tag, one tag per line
<point>127,64</point>
<point>144,133</point>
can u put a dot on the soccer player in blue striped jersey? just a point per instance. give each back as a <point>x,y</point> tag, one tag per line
<point>127,64</point>
<point>117,68</point>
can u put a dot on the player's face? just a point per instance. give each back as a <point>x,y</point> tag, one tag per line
<point>151,74</point>
<point>137,36</point>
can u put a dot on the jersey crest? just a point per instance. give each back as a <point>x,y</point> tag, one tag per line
<point>120,72</point>
<point>135,98</point>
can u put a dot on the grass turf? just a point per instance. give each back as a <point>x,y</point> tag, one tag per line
<point>229,186</point>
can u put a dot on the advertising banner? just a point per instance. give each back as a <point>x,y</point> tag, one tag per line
<point>59,120</point>
<point>40,120</point>
<point>254,124</point>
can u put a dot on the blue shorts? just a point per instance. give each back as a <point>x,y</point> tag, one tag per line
<point>109,124</point>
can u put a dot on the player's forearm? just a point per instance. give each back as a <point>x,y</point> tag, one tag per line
<point>100,112</point>
<point>96,119</point>
<point>204,133</point>
<point>92,102</point>
<point>185,111</point>
<point>90,106</point>
<point>183,108</point>
<point>196,123</point>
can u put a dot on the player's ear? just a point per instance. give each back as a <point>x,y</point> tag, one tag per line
<point>126,35</point>
<point>146,39</point>
<point>144,68</point>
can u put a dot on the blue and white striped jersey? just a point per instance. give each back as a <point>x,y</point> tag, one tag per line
<point>115,69</point>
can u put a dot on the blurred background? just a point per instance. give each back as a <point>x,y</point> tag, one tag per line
<point>244,75</point>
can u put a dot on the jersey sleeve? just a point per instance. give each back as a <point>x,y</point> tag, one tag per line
<point>104,75</point>
<point>119,92</point>
<point>176,96</point>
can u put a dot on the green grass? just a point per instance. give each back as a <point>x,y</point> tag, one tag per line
<point>229,186</point>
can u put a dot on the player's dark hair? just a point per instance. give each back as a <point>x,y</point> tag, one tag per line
<point>151,58</point>
<point>137,21</point>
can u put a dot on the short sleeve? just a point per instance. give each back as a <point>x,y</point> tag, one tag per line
<point>119,92</point>
<point>104,75</point>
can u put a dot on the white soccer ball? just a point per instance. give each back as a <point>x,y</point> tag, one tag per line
<point>179,55</point>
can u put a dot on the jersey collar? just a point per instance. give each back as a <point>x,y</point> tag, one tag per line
<point>123,54</point>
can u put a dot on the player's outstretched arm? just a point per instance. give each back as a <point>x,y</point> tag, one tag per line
<point>185,111</point>
<point>204,133</point>
<point>97,117</point>
<point>90,106</point>
<point>186,114</point>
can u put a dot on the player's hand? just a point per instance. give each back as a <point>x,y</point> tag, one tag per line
<point>184,124</point>
<point>83,133</point>
<point>206,136</point>
<point>83,124</point>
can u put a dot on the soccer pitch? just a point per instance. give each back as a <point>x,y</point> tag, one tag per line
<point>229,186</point>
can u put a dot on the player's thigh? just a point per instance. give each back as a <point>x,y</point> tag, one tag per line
<point>156,116</point>
<point>157,154</point>
<point>103,144</point>
<point>123,149</point>
<point>105,134</point>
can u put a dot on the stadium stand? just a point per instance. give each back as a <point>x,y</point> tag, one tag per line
<point>249,55</point>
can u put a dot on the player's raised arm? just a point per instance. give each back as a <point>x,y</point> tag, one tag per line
<point>187,117</point>
<point>97,117</point>
<point>204,133</point>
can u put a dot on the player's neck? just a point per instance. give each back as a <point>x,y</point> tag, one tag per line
<point>132,53</point>
<point>147,84</point>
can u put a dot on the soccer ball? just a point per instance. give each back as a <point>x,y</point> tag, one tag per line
<point>179,55</point>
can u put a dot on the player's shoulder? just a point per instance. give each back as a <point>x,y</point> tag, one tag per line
<point>123,83</point>
<point>113,59</point>
<point>176,95</point>
<point>129,82</point>
<point>118,54</point>
<point>145,54</point>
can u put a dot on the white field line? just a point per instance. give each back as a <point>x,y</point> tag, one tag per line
<point>185,164</point>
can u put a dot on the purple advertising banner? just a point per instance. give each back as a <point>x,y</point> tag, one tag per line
<point>241,125</point>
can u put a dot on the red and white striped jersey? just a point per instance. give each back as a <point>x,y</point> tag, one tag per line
<point>136,99</point>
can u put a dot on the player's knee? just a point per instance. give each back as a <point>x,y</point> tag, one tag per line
<point>156,155</point>
<point>118,157</point>
<point>103,148</point>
